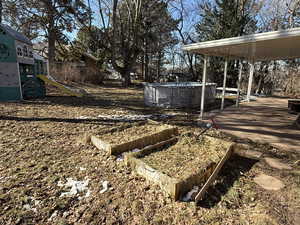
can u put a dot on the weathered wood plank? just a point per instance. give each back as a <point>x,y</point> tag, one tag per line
<point>195,179</point>
<point>100,144</point>
<point>176,188</point>
<point>137,143</point>
<point>213,176</point>
<point>149,149</point>
<point>166,183</point>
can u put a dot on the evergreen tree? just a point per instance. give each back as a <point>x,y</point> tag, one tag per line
<point>225,19</point>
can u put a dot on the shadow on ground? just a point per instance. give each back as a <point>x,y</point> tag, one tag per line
<point>64,120</point>
<point>231,172</point>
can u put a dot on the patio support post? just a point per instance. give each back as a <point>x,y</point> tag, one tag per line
<point>250,80</point>
<point>203,86</point>
<point>224,83</point>
<point>239,84</point>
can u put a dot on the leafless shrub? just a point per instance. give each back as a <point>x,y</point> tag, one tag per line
<point>77,72</point>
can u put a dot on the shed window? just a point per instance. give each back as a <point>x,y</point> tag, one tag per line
<point>25,51</point>
<point>19,51</point>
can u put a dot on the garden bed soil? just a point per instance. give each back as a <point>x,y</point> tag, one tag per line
<point>134,137</point>
<point>188,156</point>
<point>178,167</point>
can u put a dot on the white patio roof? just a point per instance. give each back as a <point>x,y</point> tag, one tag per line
<point>283,44</point>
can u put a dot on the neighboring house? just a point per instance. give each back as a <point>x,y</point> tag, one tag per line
<point>17,67</point>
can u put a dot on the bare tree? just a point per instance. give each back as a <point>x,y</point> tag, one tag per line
<point>1,8</point>
<point>185,13</point>
<point>275,15</point>
<point>131,29</point>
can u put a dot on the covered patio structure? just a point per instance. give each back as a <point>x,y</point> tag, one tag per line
<point>284,44</point>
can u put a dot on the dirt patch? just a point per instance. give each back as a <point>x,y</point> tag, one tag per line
<point>131,133</point>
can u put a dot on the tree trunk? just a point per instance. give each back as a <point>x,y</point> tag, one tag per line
<point>147,77</point>
<point>126,77</point>
<point>51,49</point>
<point>191,67</point>
<point>259,86</point>
<point>158,65</point>
<point>143,66</point>
<point>1,7</point>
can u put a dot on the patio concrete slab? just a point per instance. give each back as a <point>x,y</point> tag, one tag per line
<point>265,120</point>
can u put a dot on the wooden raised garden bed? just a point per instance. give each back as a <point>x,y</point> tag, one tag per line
<point>134,137</point>
<point>179,164</point>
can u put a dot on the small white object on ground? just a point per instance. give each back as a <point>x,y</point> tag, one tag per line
<point>54,214</point>
<point>82,118</point>
<point>76,187</point>
<point>82,168</point>
<point>125,117</point>
<point>105,187</point>
<point>28,207</point>
<point>120,158</point>
<point>191,194</point>
<point>136,150</point>
<point>129,117</point>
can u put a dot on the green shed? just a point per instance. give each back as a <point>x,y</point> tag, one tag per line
<point>17,67</point>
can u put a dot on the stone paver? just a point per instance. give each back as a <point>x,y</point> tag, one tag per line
<point>268,183</point>
<point>275,163</point>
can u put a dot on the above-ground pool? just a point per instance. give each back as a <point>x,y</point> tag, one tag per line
<point>178,95</point>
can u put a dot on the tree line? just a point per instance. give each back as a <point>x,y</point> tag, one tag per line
<point>150,33</point>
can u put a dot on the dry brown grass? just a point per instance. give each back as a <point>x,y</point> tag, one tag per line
<point>38,148</point>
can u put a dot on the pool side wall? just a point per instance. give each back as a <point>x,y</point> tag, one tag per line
<point>178,95</point>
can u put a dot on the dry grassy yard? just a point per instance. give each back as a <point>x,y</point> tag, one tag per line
<point>41,147</point>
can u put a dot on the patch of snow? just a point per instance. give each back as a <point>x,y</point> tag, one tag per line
<point>136,150</point>
<point>76,187</point>
<point>105,187</point>
<point>190,195</point>
<point>28,207</point>
<point>82,118</point>
<point>120,158</point>
<point>125,117</point>
<point>88,193</point>
<point>65,214</point>
<point>54,214</point>
<point>60,184</point>
<point>37,202</point>
<point>134,117</point>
